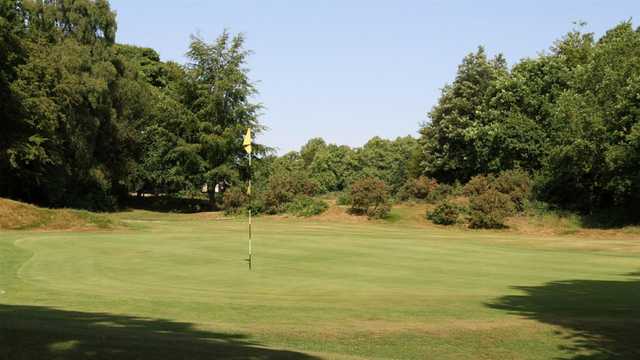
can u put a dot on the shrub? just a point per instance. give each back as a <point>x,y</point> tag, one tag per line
<point>256,205</point>
<point>403,194</point>
<point>306,206</point>
<point>490,209</point>
<point>275,199</point>
<point>445,213</point>
<point>441,192</point>
<point>379,212</point>
<point>283,188</point>
<point>419,188</point>
<point>343,199</point>
<point>233,200</point>
<point>423,187</point>
<point>478,185</point>
<point>370,196</point>
<point>517,184</point>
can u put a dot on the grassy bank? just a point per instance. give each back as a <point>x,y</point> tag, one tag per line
<point>15,215</point>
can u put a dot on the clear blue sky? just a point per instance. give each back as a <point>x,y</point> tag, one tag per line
<point>353,69</point>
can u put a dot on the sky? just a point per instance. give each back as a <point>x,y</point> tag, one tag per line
<point>348,70</point>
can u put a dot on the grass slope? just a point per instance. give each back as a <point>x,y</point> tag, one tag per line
<point>177,286</point>
<point>15,215</point>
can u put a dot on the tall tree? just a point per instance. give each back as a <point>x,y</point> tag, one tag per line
<point>87,21</point>
<point>12,54</point>
<point>219,94</point>
<point>387,160</point>
<point>449,139</point>
<point>311,148</point>
<point>595,150</point>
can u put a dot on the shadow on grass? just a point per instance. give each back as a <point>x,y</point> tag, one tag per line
<point>172,204</point>
<point>603,317</point>
<point>33,332</point>
<point>614,218</point>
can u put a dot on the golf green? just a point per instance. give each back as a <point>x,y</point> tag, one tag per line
<point>178,287</point>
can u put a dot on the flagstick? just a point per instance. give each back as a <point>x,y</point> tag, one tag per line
<point>250,190</point>
<point>246,142</point>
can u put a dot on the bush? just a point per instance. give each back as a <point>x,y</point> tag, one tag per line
<point>445,213</point>
<point>441,192</point>
<point>306,206</point>
<point>517,184</point>
<point>343,199</point>
<point>283,188</point>
<point>370,196</point>
<point>256,205</point>
<point>478,185</point>
<point>233,200</point>
<point>275,199</point>
<point>379,212</point>
<point>419,188</point>
<point>490,209</point>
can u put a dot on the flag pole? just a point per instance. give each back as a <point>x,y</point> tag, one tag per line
<point>250,254</point>
<point>246,143</point>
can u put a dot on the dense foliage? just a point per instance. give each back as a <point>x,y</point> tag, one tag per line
<point>306,206</point>
<point>421,187</point>
<point>490,209</point>
<point>283,188</point>
<point>335,167</point>
<point>516,184</point>
<point>570,116</point>
<point>369,196</point>
<point>234,199</point>
<point>491,199</point>
<point>445,213</point>
<point>86,120</point>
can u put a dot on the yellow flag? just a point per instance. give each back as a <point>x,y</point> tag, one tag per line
<point>247,141</point>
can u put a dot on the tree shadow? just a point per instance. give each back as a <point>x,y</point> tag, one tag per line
<point>602,317</point>
<point>612,218</point>
<point>34,332</point>
<point>168,204</point>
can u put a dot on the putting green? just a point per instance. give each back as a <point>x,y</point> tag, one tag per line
<point>178,286</point>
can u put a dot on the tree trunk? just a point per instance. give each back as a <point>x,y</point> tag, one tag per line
<point>212,198</point>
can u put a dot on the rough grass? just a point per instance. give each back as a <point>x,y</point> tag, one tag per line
<point>15,215</point>
<point>177,286</point>
<point>544,223</point>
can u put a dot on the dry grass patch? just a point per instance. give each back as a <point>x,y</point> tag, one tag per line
<point>15,215</point>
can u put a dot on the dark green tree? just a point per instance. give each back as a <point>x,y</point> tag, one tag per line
<point>219,93</point>
<point>450,140</point>
<point>13,132</point>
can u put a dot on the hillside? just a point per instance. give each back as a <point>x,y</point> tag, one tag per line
<point>15,215</point>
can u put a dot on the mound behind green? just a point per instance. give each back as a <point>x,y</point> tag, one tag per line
<point>15,215</point>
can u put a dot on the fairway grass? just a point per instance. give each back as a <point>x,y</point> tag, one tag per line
<point>178,287</point>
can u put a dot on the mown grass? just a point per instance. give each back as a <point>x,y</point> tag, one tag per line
<point>177,286</point>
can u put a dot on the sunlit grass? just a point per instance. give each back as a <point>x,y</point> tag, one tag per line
<point>168,285</point>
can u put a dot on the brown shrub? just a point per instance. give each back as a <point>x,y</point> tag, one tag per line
<point>370,196</point>
<point>490,209</point>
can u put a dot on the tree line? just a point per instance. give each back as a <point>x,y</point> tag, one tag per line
<point>287,183</point>
<point>86,121</point>
<point>569,117</point>
<point>562,127</point>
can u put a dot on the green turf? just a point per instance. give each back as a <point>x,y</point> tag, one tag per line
<point>178,287</point>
